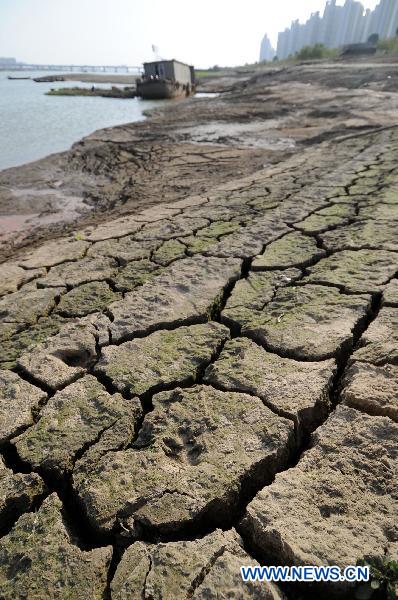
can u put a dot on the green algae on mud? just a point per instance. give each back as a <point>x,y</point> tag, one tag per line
<point>161,359</point>
<point>196,449</point>
<point>292,250</point>
<point>304,322</point>
<point>86,298</point>
<point>355,271</point>
<point>44,544</point>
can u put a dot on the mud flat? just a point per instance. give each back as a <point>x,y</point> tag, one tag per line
<point>188,147</point>
<point>115,78</point>
<point>113,92</point>
<point>207,383</point>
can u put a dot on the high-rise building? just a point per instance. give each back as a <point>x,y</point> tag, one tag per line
<point>266,51</point>
<point>339,25</point>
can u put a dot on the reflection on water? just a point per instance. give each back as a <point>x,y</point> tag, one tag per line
<point>33,125</point>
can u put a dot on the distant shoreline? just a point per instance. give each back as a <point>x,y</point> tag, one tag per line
<point>99,77</point>
<point>121,78</point>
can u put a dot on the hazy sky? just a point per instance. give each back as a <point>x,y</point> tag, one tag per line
<point>204,33</point>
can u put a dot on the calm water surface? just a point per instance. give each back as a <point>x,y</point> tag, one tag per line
<point>33,125</point>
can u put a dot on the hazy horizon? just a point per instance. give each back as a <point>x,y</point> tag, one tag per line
<point>115,32</point>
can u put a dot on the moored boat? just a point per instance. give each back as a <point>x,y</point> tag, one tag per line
<point>166,79</point>
<point>49,79</point>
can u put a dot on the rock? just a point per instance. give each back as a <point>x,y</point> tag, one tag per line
<point>296,390</point>
<point>54,253</point>
<point>291,250</point>
<point>390,294</point>
<point>208,567</point>
<point>188,202</point>
<point>101,324</point>
<point>72,274</point>
<point>12,346</point>
<point>19,400</point>
<point>12,277</point>
<point>337,505</point>
<point>63,358</point>
<point>310,322</point>
<point>168,252</point>
<point>187,291</point>
<point>26,306</point>
<point>40,559</point>
<point>327,218</point>
<point>167,229</point>
<point>299,206</point>
<point>372,389</point>
<point>18,493</point>
<point>388,195</point>
<point>264,204</point>
<point>115,228</point>
<point>361,271</point>
<point>135,273</point>
<point>252,294</point>
<point>7,330</point>
<point>195,454</point>
<point>72,420</point>
<point>363,234</point>
<point>123,249</point>
<point>119,436</point>
<point>379,343</point>
<point>249,241</point>
<point>163,358</point>
<point>224,581</point>
<point>218,228</point>
<point>157,213</point>
<point>195,244</point>
<point>379,212</point>
<point>224,210</point>
<point>86,299</point>
<point>323,190</point>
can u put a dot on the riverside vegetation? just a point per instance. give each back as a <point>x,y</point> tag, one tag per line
<point>113,92</point>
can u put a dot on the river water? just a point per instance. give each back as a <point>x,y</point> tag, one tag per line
<point>33,125</point>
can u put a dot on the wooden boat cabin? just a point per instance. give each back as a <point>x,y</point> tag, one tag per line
<point>166,79</point>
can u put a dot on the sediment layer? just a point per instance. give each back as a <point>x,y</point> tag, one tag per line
<point>206,385</point>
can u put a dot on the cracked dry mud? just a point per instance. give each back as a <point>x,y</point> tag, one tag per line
<point>204,385</point>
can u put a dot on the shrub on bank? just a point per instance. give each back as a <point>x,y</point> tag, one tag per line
<point>389,46</point>
<point>316,52</point>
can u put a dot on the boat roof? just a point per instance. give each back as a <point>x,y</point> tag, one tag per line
<point>154,62</point>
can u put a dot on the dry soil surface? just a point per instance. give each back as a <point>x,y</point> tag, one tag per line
<point>211,381</point>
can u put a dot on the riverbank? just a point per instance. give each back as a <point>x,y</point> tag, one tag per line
<point>200,371</point>
<point>209,382</point>
<point>113,92</point>
<point>35,125</point>
<point>189,146</point>
<point>113,78</point>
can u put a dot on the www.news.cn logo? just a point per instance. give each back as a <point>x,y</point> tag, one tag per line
<point>306,573</point>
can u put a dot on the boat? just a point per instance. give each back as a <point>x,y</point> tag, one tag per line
<point>17,78</point>
<point>166,79</point>
<point>49,79</point>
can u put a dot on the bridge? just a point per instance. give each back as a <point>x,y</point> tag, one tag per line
<point>135,70</point>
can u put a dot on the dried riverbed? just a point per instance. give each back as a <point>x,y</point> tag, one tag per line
<point>193,145</point>
<point>210,381</point>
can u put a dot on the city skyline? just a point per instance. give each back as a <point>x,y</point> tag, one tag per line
<point>267,51</point>
<point>339,25</point>
<point>123,31</point>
